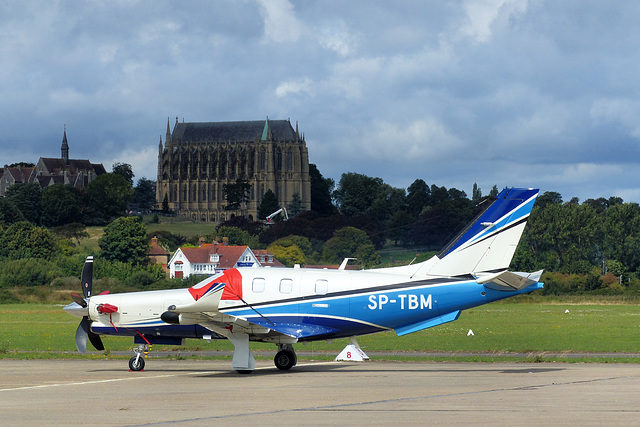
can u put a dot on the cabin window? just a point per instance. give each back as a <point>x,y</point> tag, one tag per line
<point>258,285</point>
<point>286,286</point>
<point>322,286</point>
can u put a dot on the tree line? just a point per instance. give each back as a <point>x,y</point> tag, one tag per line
<point>105,198</point>
<point>593,246</point>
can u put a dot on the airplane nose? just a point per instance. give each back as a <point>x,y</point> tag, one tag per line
<point>77,310</point>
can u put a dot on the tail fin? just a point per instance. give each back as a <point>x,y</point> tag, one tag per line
<point>488,243</point>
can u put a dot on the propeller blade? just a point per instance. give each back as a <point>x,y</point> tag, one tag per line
<point>78,299</point>
<point>96,341</point>
<point>84,331</point>
<point>81,335</point>
<point>87,277</point>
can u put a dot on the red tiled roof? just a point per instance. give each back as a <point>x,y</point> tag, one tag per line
<point>156,249</point>
<point>229,255</point>
<point>265,253</point>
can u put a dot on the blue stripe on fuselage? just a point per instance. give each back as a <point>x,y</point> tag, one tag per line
<point>373,311</point>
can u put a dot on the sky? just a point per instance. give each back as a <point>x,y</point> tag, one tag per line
<point>512,93</point>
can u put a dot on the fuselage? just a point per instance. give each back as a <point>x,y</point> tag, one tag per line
<point>306,304</point>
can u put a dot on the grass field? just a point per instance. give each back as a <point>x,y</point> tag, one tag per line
<point>502,327</point>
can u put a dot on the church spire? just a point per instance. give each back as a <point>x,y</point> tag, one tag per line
<point>65,147</point>
<point>266,131</point>
<point>167,139</point>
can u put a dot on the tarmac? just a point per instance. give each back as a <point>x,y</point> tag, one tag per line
<point>197,392</point>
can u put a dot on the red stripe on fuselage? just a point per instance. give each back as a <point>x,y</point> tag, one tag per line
<point>233,288</point>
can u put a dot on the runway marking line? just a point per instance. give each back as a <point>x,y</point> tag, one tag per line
<point>111,380</point>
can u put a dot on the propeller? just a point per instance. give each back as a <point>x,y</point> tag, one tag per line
<point>80,308</point>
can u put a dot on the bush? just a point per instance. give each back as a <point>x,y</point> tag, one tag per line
<point>7,297</point>
<point>28,272</point>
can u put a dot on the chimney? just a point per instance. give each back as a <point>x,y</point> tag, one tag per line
<point>201,242</point>
<point>225,241</point>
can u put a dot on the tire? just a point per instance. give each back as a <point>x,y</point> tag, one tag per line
<point>285,360</point>
<point>136,366</point>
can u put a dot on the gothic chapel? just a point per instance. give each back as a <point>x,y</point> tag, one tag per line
<point>199,158</point>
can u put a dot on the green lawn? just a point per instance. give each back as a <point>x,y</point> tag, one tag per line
<point>501,327</point>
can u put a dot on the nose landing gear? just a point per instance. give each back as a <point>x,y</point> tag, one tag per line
<point>136,363</point>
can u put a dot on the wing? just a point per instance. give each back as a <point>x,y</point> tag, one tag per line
<point>205,311</point>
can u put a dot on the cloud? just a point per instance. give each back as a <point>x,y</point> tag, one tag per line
<point>623,112</point>
<point>336,37</point>
<point>295,87</point>
<point>280,22</point>
<point>483,17</point>
<point>504,92</point>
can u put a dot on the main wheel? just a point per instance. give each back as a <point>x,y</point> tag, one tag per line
<point>285,360</point>
<point>136,365</point>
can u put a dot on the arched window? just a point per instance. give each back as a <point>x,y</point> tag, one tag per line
<point>263,159</point>
<point>290,159</point>
<point>278,159</point>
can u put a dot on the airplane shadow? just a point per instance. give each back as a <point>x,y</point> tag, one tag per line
<point>326,367</point>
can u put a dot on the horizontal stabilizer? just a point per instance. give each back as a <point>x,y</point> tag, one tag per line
<point>509,281</point>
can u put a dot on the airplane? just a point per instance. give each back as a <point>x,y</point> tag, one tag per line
<point>286,306</point>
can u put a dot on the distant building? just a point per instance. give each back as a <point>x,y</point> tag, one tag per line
<point>198,159</point>
<point>11,176</point>
<point>79,173</point>
<point>212,258</point>
<point>159,256</point>
<point>50,171</point>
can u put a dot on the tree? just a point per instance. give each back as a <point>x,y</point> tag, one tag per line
<point>548,198</point>
<point>109,195</point>
<point>418,195</point>
<point>398,226</point>
<point>125,240</point>
<point>321,189</point>
<point>268,205</point>
<point>288,255</point>
<point>494,191</point>
<point>237,195</point>
<point>144,194</point>
<point>28,198</point>
<point>350,242</point>
<point>165,204</point>
<point>356,193</point>
<point>123,169</point>
<point>61,204</point>
<point>295,206</point>
<point>9,212</point>
<point>236,236</point>
<point>387,201</point>
<point>25,240</point>
<point>74,230</point>
<point>476,193</point>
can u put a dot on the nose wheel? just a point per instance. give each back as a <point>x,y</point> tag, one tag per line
<point>136,363</point>
<point>285,357</point>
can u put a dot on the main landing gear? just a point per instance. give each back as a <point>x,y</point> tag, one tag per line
<point>285,357</point>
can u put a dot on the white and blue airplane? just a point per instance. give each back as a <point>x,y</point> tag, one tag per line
<point>286,306</point>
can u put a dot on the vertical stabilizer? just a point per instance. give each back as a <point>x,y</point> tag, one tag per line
<point>488,243</point>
